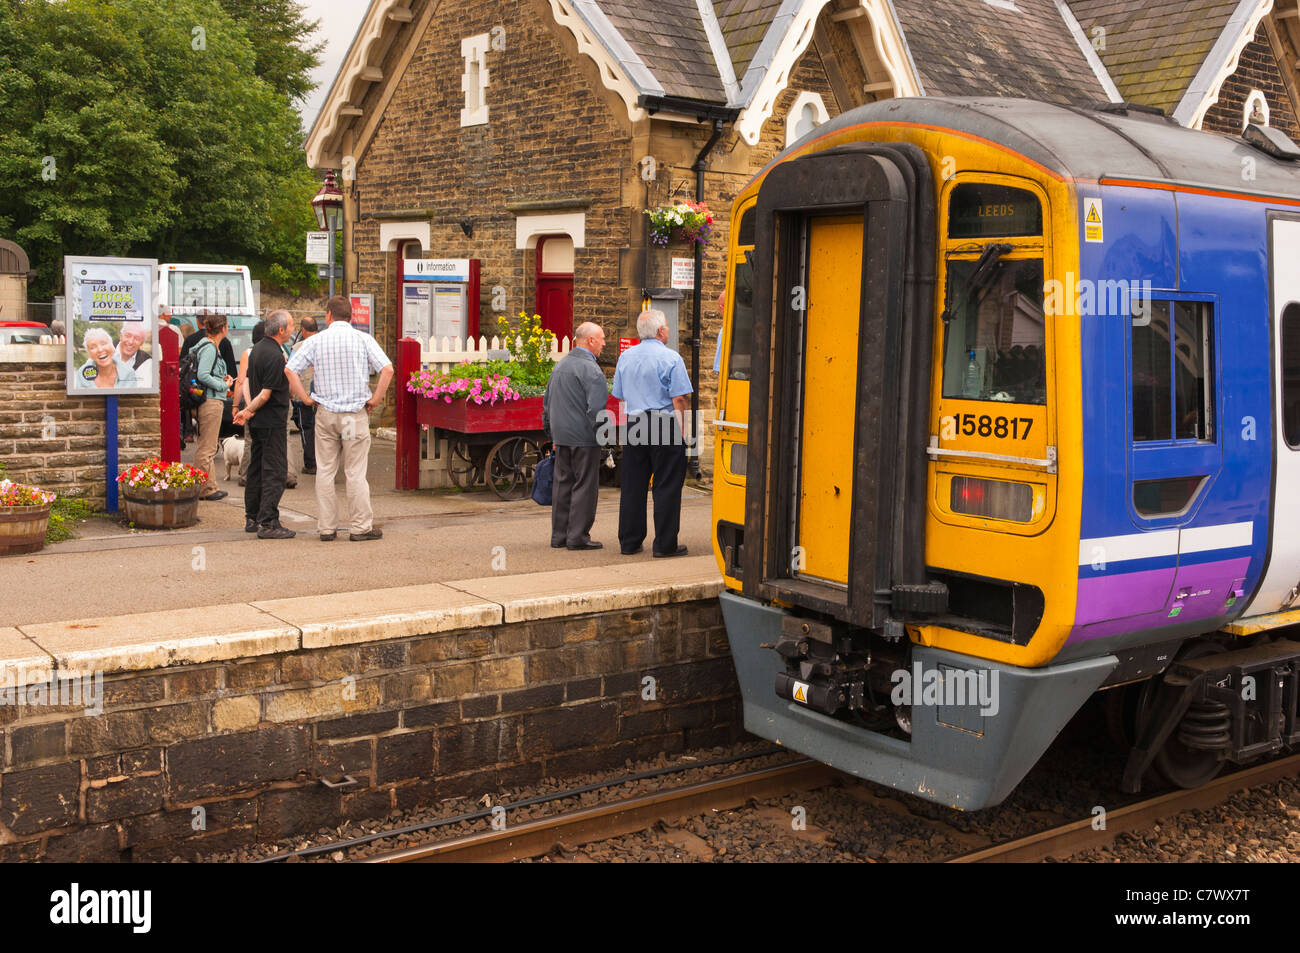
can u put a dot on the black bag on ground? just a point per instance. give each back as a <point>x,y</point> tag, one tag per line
<point>544,480</point>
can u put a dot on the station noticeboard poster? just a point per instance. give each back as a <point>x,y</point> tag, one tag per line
<point>112,325</point>
<point>440,298</point>
<point>624,344</point>
<point>363,309</point>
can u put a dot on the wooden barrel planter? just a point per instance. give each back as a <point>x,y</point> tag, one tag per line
<point>161,509</point>
<point>22,529</point>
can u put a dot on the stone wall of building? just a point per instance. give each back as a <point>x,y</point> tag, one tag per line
<point>192,759</point>
<point>1257,69</point>
<point>57,442</point>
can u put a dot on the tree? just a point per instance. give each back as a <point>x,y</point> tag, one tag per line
<point>142,127</point>
<point>280,38</point>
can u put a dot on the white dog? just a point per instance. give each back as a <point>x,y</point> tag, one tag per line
<point>232,450</point>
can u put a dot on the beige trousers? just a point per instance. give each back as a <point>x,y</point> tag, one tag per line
<point>344,437</point>
<point>206,448</point>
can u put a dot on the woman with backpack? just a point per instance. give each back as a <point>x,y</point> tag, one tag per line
<point>211,373</point>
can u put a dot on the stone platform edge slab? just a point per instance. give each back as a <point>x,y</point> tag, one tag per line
<point>156,640</point>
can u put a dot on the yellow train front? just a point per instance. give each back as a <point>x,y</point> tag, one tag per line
<point>996,430</point>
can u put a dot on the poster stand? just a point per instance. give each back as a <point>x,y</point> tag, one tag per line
<point>110,454</point>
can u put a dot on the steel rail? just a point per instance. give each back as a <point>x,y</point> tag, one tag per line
<point>1062,842</point>
<point>627,816</point>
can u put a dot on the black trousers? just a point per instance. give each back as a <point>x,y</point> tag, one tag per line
<point>306,418</point>
<point>573,498</point>
<point>268,470</point>
<point>664,458</point>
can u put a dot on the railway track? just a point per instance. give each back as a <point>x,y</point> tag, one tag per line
<point>627,816</point>
<point>1062,842</point>
<point>603,822</point>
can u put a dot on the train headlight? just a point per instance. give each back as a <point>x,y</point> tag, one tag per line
<point>995,499</point>
<point>739,462</point>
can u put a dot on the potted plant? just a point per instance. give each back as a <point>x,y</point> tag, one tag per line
<point>684,222</point>
<point>161,495</point>
<point>24,517</point>
<point>485,396</point>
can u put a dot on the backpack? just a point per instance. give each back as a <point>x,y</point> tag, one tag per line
<point>192,391</point>
<point>544,480</point>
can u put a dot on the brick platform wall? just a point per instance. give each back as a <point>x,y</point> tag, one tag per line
<point>1257,69</point>
<point>412,720</point>
<point>57,442</point>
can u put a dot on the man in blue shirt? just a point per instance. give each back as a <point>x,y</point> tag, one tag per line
<point>651,380</point>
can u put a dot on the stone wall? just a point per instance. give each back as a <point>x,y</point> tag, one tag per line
<point>410,720</point>
<point>56,441</point>
<point>1257,69</point>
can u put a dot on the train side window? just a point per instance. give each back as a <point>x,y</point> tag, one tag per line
<point>1291,375</point>
<point>741,288</point>
<point>1173,371</point>
<point>995,341</point>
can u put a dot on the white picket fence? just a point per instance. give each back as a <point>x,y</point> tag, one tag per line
<point>444,354</point>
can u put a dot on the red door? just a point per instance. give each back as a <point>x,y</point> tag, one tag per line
<point>555,292</point>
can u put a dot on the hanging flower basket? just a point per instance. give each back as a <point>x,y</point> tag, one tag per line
<point>24,518</point>
<point>161,495</point>
<point>685,222</point>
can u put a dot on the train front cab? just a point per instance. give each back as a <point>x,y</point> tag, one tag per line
<point>890,496</point>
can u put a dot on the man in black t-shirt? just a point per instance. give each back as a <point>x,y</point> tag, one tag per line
<point>268,420</point>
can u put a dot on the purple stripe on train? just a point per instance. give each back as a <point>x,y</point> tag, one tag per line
<point>1134,601</point>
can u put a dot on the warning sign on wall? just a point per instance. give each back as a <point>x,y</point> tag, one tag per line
<point>684,274</point>
<point>1092,221</point>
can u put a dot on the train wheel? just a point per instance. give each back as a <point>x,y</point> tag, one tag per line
<point>464,471</point>
<point>510,467</point>
<point>1180,765</point>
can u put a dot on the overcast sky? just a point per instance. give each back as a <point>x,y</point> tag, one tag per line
<point>339,20</point>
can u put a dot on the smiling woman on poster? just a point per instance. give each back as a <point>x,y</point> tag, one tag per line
<point>103,370</point>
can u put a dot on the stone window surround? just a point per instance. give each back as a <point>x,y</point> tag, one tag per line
<point>805,98</point>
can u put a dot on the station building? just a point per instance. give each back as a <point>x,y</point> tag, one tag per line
<point>533,135</point>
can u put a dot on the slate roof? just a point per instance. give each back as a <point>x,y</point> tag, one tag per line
<point>974,48</point>
<point>1153,48</point>
<point>669,37</point>
<point>744,23</point>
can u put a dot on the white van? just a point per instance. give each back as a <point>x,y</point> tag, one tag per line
<point>186,290</point>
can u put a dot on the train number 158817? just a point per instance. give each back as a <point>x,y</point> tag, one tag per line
<point>984,425</point>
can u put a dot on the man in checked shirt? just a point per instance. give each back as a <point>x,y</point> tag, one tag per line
<point>342,360</point>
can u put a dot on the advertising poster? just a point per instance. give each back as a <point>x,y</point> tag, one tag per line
<point>363,307</point>
<point>111,324</point>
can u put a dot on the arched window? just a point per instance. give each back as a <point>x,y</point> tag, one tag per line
<point>1256,110</point>
<point>806,114</point>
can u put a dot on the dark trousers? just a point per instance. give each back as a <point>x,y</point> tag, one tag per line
<point>665,460</point>
<point>306,419</point>
<point>573,499</point>
<point>268,467</point>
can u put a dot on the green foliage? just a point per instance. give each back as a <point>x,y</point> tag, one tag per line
<point>530,347</point>
<point>280,37</point>
<point>155,128</point>
<point>528,381</point>
<point>65,513</point>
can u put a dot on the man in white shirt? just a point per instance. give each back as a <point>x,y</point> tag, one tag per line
<point>342,360</point>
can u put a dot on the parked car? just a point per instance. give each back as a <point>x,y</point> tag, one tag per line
<point>22,332</point>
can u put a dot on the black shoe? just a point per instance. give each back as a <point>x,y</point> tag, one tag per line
<point>557,545</point>
<point>291,486</point>
<point>589,544</point>
<point>328,537</point>
<point>681,551</point>
<point>360,537</point>
<point>632,552</point>
<point>310,471</point>
<point>275,532</point>
<point>214,496</point>
<point>250,525</point>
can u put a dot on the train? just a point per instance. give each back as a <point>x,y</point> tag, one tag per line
<point>1008,422</point>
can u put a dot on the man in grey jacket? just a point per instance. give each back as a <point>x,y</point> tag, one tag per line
<point>575,396</point>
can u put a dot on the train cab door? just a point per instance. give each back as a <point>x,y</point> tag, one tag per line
<point>832,422</point>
